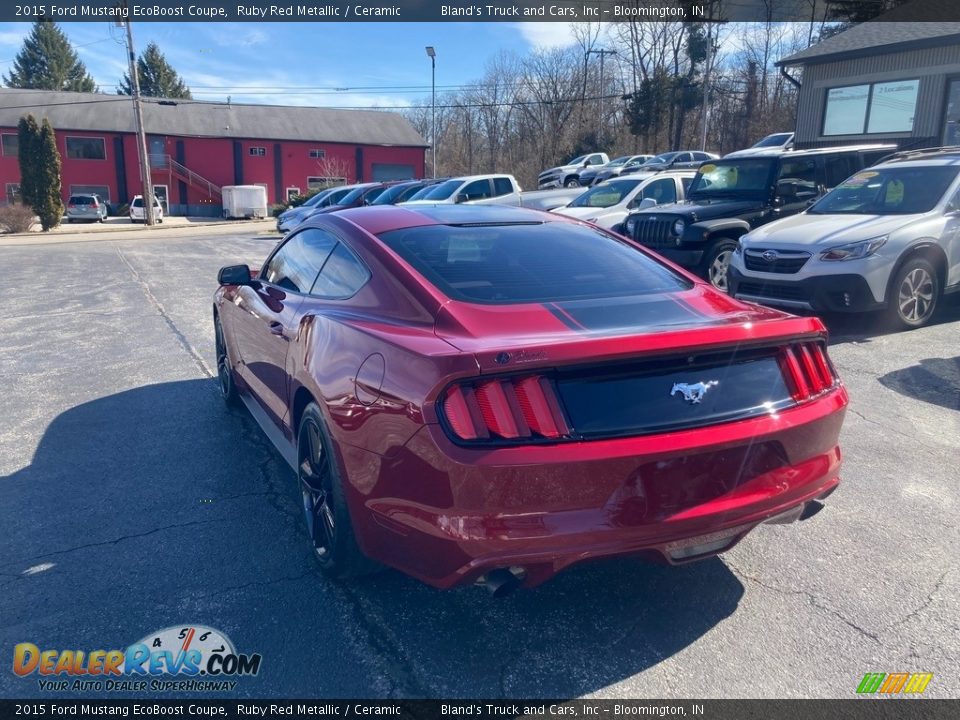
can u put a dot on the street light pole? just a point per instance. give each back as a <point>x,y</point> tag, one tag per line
<point>432,54</point>
<point>145,175</point>
<point>601,53</point>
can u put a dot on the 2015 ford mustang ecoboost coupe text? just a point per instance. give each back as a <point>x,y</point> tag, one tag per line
<point>490,393</point>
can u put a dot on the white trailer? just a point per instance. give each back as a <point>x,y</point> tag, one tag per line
<point>244,201</point>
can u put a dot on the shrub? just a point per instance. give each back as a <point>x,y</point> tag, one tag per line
<point>16,218</point>
<point>277,208</point>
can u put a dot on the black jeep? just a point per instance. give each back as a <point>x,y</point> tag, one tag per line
<point>730,196</point>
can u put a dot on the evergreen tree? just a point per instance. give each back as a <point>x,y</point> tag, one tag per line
<point>157,77</point>
<point>47,61</point>
<point>49,205</point>
<point>28,134</point>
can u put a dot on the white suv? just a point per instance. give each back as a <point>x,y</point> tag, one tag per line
<point>136,209</point>
<point>887,237</point>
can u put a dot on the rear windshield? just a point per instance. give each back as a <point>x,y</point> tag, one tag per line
<point>137,202</point>
<point>81,200</point>
<point>530,262</point>
<point>887,191</point>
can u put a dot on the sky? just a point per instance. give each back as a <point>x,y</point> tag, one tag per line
<point>309,61</point>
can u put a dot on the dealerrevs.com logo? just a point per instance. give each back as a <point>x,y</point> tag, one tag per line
<point>185,658</point>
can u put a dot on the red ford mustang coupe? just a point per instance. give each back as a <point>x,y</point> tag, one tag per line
<point>491,394</point>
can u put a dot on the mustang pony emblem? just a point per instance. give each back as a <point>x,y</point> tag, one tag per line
<point>694,393</point>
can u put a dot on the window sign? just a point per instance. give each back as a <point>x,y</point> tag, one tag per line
<point>892,106</point>
<point>846,110</point>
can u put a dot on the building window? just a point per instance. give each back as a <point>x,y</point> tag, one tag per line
<point>86,148</point>
<point>13,192</point>
<point>258,151</point>
<point>319,183</point>
<point>11,145</point>
<point>292,192</point>
<point>886,107</point>
<point>317,153</point>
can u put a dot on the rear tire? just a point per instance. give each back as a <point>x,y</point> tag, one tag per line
<point>325,511</point>
<point>716,263</point>
<point>913,294</point>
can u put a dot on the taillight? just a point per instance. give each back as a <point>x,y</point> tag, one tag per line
<point>505,408</point>
<point>807,370</point>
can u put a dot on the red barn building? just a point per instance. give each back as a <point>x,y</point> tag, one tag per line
<point>198,147</point>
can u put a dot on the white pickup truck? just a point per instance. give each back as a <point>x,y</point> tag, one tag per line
<point>492,189</point>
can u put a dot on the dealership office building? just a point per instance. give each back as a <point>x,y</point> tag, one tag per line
<point>198,147</point>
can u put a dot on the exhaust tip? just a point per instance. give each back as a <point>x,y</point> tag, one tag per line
<point>811,509</point>
<point>502,581</point>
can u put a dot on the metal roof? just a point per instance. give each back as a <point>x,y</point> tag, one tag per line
<point>877,37</point>
<point>193,118</point>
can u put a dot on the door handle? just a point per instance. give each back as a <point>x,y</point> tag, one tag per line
<point>276,329</point>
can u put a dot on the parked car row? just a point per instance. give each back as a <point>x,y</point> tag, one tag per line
<point>850,229</point>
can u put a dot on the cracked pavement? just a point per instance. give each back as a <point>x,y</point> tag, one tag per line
<point>131,501</point>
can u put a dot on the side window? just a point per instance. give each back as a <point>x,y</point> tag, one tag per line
<point>686,182</point>
<point>477,189</point>
<point>296,264</point>
<point>595,160</point>
<point>683,158</point>
<point>342,276</point>
<point>663,191</point>
<point>797,180</point>
<point>502,186</point>
<point>700,156</point>
<point>837,168</point>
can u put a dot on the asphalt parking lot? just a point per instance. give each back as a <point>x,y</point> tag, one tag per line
<point>131,500</point>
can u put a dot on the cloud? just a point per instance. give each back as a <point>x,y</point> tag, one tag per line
<point>12,38</point>
<point>547,35</point>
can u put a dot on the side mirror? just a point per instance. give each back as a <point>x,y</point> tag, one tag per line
<point>234,275</point>
<point>462,197</point>
<point>646,203</point>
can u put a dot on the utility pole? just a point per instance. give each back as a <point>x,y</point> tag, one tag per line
<point>601,53</point>
<point>706,81</point>
<point>145,176</point>
<point>432,54</point>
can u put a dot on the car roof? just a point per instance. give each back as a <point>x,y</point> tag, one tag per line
<point>376,219</point>
<point>465,178</point>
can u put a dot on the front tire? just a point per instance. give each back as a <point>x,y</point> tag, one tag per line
<point>716,264</point>
<point>572,182</point>
<point>913,294</point>
<point>228,389</point>
<point>324,503</point>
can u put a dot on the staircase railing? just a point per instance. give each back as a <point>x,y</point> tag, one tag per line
<point>165,162</point>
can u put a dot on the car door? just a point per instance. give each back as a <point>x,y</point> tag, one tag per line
<point>951,239</point>
<point>269,316</point>
<point>797,186</point>
<point>683,160</point>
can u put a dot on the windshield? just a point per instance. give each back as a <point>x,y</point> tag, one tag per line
<point>312,201</point>
<point>888,191</point>
<point>438,192</point>
<point>577,160</point>
<point>732,177</point>
<point>606,194</point>
<point>351,197</point>
<point>773,140</point>
<point>334,197</point>
<point>530,263</point>
<point>390,194</point>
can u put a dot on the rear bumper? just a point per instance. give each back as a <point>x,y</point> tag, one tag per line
<point>447,514</point>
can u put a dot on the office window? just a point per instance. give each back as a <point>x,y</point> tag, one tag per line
<point>10,145</point>
<point>878,108</point>
<point>86,148</point>
<point>258,151</point>
<point>318,153</point>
